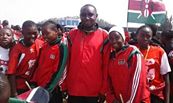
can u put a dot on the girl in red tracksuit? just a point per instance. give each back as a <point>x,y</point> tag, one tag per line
<point>124,70</point>
<point>49,61</point>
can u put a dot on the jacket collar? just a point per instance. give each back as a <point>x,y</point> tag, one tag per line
<point>82,28</point>
<point>57,41</point>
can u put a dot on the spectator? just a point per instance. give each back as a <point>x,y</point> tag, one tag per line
<point>167,41</point>
<point>5,23</point>
<point>6,42</point>
<point>158,66</point>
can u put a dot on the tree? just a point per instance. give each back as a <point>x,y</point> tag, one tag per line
<point>167,25</point>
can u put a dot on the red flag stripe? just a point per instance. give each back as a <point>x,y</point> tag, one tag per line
<point>141,5</point>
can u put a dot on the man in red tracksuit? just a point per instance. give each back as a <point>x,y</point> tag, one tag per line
<point>125,70</point>
<point>84,72</point>
<point>23,57</point>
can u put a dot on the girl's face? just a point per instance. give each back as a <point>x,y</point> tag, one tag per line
<point>116,40</point>
<point>6,37</point>
<point>144,37</point>
<point>30,35</point>
<point>50,33</point>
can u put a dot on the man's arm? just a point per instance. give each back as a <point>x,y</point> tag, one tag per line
<point>12,81</point>
<point>167,88</point>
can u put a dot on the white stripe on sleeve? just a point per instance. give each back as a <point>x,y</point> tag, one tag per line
<point>136,79</point>
<point>164,67</point>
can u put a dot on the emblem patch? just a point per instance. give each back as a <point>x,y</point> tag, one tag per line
<point>121,61</point>
<point>52,56</point>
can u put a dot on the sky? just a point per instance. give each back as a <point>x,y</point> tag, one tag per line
<point>112,11</point>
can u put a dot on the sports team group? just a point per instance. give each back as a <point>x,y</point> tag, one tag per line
<point>87,64</point>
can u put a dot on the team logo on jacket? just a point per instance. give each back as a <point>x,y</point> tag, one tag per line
<point>31,63</point>
<point>32,50</point>
<point>52,56</point>
<point>121,61</point>
<point>150,61</point>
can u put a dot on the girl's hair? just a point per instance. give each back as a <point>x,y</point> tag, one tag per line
<point>141,27</point>
<point>8,29</point>
<point>54,25</point>
<point>28,23</point>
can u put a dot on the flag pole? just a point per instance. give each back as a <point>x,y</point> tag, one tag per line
<point>127,16</point>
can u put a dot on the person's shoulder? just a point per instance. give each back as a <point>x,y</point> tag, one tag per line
<point>73,30</point>
<point>18,45</point>
<point>106,47</point>
<point>158,48</point>
<point>39,41</point>
<point>133,47</point>
<point>102,30</point>
<point>44,45</point>
<point>2,49</point>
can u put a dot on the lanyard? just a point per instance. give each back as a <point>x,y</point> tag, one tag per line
<point>145,57</point>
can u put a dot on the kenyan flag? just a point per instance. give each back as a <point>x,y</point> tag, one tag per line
<point>146,11</point>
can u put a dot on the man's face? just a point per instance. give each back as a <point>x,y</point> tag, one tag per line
<point>88,16</point>
<point>30,34</point>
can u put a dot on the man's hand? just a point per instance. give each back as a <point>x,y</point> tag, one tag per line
<point>64,95</point>
<point>101,98</point>
<point>115,101</point>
